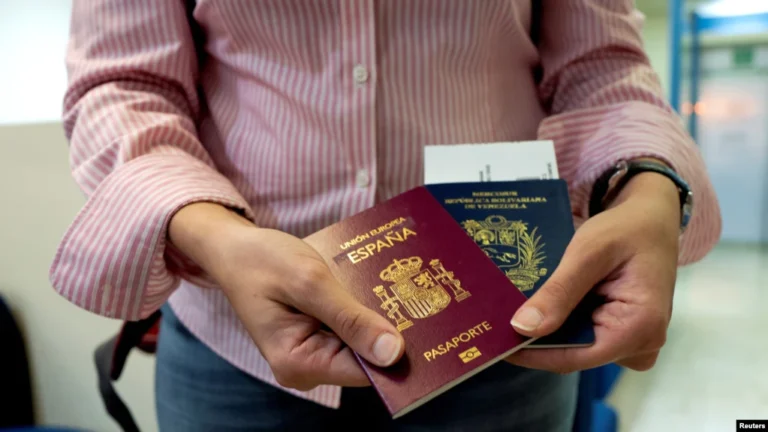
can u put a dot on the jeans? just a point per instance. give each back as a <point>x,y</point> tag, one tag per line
<point>196,390</point>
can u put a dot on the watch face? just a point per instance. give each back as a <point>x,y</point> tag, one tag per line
<point>621,170</point>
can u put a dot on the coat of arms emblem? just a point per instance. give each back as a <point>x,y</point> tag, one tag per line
<point>422,292</point>
<point>519,253</point>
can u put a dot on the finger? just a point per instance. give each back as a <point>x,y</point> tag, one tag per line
<point>300,353</point>
<point>605,350</point>
<point>346,371</point>
<point>568,360</point>
<point>614,330</point>
<point>365,331</point>
<point>621,332</point>
<point>592,256</point>
<point>319,359</point>
<point>640,363</point>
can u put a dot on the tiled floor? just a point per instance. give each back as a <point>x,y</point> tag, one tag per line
<point>714,367</point>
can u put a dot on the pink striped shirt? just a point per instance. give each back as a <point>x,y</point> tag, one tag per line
<point>301,113</point>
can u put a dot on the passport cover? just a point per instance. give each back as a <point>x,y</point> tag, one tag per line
<point>524,227</point>
<point>409,260</point>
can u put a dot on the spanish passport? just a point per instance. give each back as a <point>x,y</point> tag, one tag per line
<point>410,260</point>
<point>524,227</point>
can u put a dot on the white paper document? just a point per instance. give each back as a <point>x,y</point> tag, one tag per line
<point>503,161</point>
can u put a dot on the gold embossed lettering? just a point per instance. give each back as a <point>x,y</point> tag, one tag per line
<point>354,257</point>
<point>393,237</point>
<point>389,240</point>
<point>382,244</point>
<point>456,341</point>
<point>360,238</point>
<point>407,233</point>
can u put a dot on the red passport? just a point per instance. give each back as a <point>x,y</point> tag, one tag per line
<point>409,259</point>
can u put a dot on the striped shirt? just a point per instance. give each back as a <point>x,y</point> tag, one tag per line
<point>301,113</point>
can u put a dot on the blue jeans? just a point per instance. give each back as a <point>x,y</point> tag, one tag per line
<point>196,390</point>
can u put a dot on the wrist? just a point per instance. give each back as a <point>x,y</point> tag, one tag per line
<point>643,177</point>
<point>650,183</point>
<point>201,230</point>
<point>650,186</point>
<point>657,197</point>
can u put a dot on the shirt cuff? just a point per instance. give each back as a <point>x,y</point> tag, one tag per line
<point>114,259</point>
<point>589,142</point>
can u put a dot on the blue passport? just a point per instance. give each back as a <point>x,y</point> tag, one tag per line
<point>524,227</point>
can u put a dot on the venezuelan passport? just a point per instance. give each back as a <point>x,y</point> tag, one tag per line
<point>524,227</point>
<point>408,259</point>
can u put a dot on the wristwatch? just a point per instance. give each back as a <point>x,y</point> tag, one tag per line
<point>608,186</point>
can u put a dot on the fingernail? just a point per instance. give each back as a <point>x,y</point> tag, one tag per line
<point>386,348</point>
<point>527,318</point>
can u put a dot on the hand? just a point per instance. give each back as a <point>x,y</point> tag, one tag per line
<point>628,254</point>
<point>284,294</point>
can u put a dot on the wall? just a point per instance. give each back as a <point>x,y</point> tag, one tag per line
<point>38,200</point>
<point>656,44</point>
<point>732,134</point>
<point>33,74</point>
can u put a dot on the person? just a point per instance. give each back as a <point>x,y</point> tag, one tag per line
<point>211,136</point>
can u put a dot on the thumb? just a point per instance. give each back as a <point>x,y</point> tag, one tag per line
<point>367,333</point>
<point>585,263</point>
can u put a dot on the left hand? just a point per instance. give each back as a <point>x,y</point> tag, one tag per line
<point>629,255</point>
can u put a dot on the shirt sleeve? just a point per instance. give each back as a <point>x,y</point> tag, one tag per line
<point>130,115</point>
<point>606,104</point>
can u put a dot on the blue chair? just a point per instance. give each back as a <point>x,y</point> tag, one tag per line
<point>16,408</point>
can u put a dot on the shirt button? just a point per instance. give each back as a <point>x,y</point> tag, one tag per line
<point>363,179</point>
<point>360,73</point>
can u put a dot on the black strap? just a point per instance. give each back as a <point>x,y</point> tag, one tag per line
<point>536,12</point>
<point>110,358</point>
<point>536,17</point>
<point>603,192</point>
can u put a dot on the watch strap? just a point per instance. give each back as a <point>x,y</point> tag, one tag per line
<point>610,184</point>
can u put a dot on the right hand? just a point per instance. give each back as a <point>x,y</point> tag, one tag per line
<point>283,292</point>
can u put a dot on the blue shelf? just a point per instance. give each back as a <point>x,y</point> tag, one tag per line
<point>735,25</point>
